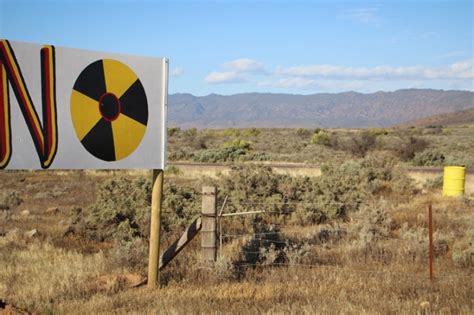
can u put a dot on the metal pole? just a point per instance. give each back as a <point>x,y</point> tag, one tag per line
<point>220,225</point>
<point>430,231</point>
<point>155,226</point>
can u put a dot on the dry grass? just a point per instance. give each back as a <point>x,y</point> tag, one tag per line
<point>36,275</point>
<point>351,274</point>
<point>289,290</point>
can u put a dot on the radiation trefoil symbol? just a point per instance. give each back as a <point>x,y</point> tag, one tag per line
<point>109,110</point>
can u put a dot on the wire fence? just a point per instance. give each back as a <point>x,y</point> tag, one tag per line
<point>263,237</point>
<point>357,270</point>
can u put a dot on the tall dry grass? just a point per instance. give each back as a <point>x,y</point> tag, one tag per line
<point>36,275</point>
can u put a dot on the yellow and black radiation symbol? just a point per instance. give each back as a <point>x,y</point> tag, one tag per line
<point>109,109</point>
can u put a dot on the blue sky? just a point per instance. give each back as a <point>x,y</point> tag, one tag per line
<point>300,47</point>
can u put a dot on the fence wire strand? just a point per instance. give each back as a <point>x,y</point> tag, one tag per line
<point>341,268</point>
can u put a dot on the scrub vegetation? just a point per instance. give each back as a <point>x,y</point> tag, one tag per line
<point>415,146</point>
<point>353,240</point>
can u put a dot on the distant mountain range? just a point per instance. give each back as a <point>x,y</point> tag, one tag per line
<point>346,110</point>
<point>449,119</point>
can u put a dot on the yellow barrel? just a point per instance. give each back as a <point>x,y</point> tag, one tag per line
<point>453,181</point>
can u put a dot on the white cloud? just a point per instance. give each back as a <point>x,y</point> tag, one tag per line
<point>225,77</point>
<point>245,65</point>
<point>177,72</point>
<point>451,54</point>
<point>459,70</point>
<point>336,78</point>
<point>361,15</point>
<point>238,71</point>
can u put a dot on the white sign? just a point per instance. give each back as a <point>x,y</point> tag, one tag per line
<point>63,108</point>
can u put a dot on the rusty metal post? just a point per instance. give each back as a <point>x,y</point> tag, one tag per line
<point>209,224</point>
<point>430,231</point>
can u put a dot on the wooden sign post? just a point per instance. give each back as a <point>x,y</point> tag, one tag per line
<point>155,227</point>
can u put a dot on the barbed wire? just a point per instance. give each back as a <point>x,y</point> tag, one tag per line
<point>250,234</point>
<point>370,271</point>
<point>270,203</point>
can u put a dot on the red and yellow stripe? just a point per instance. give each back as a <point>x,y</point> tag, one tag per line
<point>49,105</point>
<point>5,140</point>
<point>45,139</point>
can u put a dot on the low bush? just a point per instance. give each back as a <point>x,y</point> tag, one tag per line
<point>434,183</point>
<point>172,131</point>
<point>251,132</point>
<point>220,155</point>
<point>463,253</point>
<point>433,130</point>
<point>429,158</point>
<point>9,200</point>
<point>237,144</point>
<point>360,143</point>
<point>121,212</point>
<point>303,132</point>
<point>340,189</point>
<point>408,147</point>
<point>181,154</point>
<point>231,132</point>
<point>321,138</point>
<point>233,150</point>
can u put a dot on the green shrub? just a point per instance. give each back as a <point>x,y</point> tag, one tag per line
<point>237,144</point>
<point>360,143</point>
<point>373,223</point>
<point>435,183</point>
<point>251,132</point>
<point>173,131</point>
<point>303,132</point>
<point>408,147</point>
<point>463,253</point>
<point>220,155</point>
<point>181,204</point>
<point>340,189</point>
<point>433,130</point>
<point>231,132</point>
<point>190,133</point>
<point>233,150</point>
<point>181,154</point>
<point>429,158</point>
<point>378,131</point>
<point>121,211</point>
<point>321,138</point>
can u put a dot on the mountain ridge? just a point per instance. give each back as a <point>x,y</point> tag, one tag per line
<point>346,109</point>
<point>447,119</point>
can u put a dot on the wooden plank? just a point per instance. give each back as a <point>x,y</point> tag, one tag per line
<point>191,231</point>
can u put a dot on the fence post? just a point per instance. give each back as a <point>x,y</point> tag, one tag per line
<point>430,232</point>
<point>209,224</point>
